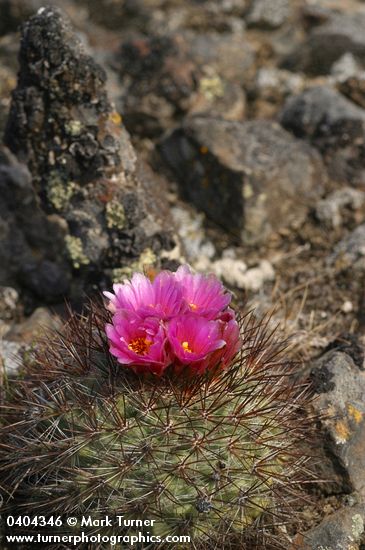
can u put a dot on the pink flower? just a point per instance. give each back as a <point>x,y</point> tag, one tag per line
<point>204,295</point>
<point>180,319</point>
<point>231,336</point>
<point>193,339</point>
<point>138,342</point>
<point>161,298</point>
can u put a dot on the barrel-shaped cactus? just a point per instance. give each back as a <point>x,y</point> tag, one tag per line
<point>212,455</point>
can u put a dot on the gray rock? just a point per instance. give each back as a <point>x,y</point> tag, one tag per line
<point>351,344</point>
<point>340,385</point>
<point>247,177</point>
<point>340,34</point>
<point>342,530</point>
<point>229,53</point>
<point>318,110</point>
<point>276,84</point>
<point>11,358</point>
<point>334,124</point>
<point>91,208</point>
<point>35,326</point>
<point>333,211</point>
<point>267,14</point>
<point>345,67</point>
<point>17,340</point>
<point>349,253</point>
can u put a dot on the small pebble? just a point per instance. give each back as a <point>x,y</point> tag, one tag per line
<point>347,306</point>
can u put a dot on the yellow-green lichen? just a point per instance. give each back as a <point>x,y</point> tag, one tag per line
<point>73,127</point>
<point>75,251</point>
<point>357,526</point>
<point>147,258</point>
<point>211,87</point>
<point>115,215</point>
<point>59,192</point>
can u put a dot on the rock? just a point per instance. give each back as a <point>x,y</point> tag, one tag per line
<point>7,83</point>
<point>349,253</point>
<point>346,66</point>
<point>351,345</point>
<point>314,13</point>
<point>18,340</point>
<point>268,15</point>
<point>61,91</point>
<point>245,176</point>
<point>340,385</point>
<point>165,76</point>
<point>11,357</point>
<point>230,54</point>
<point>270,89</point>
<point>277,84</point>
<point>333,210</point>
<point>342,530</point>
<point>347,307</point>
<point>9,303</point>
<point>157,77</point>
<point>353,87</point>
<point>29,238</point>
<point>192,234</point>
<point>340,34</point>
<point>226,99</point>
<point>114,15</point>
<point>201,16</point>
<point>319,110</point>
<point>332,123</point>
<point>97,208</point>
<point>33,327</point>
<point>235,273</point>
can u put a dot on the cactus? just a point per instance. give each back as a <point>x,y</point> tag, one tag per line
<point>213,456</point>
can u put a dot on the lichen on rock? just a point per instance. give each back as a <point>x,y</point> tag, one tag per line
<point>59,192</point>
<point>75,251</point>
<point>83,166</point>
<point>115,214</point>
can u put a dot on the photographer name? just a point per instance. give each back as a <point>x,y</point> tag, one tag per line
<point>121,521</point>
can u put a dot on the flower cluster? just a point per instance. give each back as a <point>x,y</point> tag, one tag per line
<point>179,319</point>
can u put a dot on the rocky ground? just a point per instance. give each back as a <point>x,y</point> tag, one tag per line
<point>229,134</point>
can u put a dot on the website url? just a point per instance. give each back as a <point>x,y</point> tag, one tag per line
<point>113,540</point>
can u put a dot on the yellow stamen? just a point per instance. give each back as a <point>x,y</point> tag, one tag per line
<point>193,306</point>
<point>185,346</point>
<point>140,345</point>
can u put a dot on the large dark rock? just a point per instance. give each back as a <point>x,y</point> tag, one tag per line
<point>251,178</point>
<point>333,124</point>
<point>85,174</point>
<point>31,241</point>
<point>61,96</point>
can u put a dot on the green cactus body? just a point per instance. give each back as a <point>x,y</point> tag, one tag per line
<point>203,459</point>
